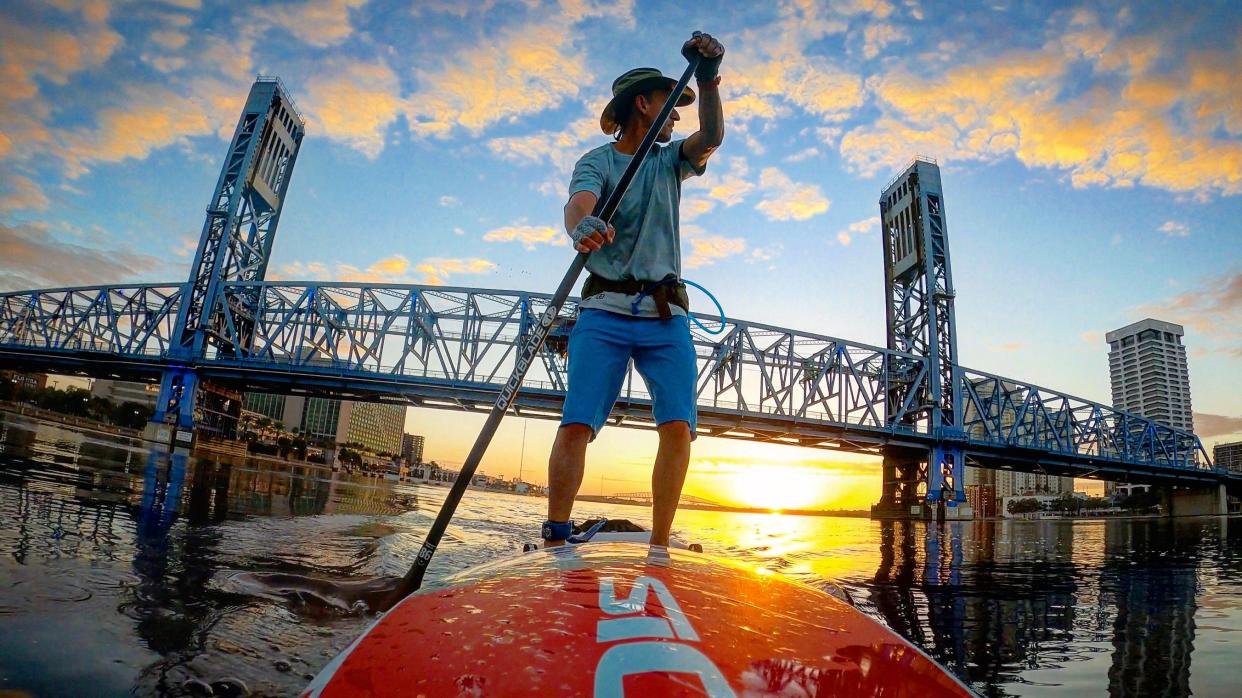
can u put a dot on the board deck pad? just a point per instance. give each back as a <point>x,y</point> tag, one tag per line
<point>615,619</point>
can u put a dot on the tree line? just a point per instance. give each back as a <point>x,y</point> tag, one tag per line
<point>76,402</point>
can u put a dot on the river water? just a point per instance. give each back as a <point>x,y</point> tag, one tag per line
<point>126,573</point>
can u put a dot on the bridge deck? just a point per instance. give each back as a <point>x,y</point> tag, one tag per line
<point>444,347</point>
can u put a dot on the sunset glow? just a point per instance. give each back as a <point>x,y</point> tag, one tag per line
<point>1088,151</point>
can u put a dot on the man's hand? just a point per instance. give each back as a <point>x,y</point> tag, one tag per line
<point>712,52</point>
<point>592,233</point>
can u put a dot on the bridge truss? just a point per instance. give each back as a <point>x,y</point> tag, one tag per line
<point>449,347</point>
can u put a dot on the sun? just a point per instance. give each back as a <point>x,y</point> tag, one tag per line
<point>778,487</point>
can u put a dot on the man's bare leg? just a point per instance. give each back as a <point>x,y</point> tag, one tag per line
<point>669,474</point>
<point>565,468</point>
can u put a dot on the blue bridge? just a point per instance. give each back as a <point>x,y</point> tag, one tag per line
<point>227,330</point>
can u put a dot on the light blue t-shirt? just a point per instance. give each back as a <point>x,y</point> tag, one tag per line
<point>648,242</point>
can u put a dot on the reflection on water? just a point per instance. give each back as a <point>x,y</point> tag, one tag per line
<point>132,572</point>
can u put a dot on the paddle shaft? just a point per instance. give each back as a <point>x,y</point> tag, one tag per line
<point>539,332</point>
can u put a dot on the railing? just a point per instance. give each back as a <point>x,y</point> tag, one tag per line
<point>466,339</point>
<point>1007,412</point>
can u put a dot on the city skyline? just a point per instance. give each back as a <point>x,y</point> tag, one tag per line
<point>1089,157</point>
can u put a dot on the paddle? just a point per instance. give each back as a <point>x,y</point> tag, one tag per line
<point>603,209</point>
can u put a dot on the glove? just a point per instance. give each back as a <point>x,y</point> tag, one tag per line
<point>588,226</point>
<point>710,51</point>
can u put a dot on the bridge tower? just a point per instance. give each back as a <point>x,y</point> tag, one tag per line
<point>918,285</point>
<point>236,244</point>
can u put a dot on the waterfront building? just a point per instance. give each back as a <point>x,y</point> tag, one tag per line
<point>412,448</point>
<point>1228,456</point>
<point>376,426</point>
<point>982,500</point>
<point>1149,374</point>
<point>29,381</point>
<point>145,394</point>
<point>996,485</point>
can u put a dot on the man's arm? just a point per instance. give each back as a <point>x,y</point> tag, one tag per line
<point>702,143</point>
<point>578,208</point>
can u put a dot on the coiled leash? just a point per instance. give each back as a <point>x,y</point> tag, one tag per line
<point>672,281</point>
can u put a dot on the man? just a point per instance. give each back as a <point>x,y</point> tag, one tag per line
<point>633,305</point>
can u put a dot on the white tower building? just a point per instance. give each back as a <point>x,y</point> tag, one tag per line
<point>1150,378</point>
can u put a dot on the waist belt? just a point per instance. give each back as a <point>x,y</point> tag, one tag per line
<point>664,292</point>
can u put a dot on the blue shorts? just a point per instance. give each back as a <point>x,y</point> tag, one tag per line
<point>600,348</point>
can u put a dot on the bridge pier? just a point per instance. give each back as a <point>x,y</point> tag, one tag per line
<point>1202,500</point>
<point>902,473</point>
<point>173,422</point>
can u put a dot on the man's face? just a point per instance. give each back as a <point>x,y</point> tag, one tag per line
<point>654,105</point>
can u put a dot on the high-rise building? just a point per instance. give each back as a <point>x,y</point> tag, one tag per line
<point>412,448</point>
<point>1150,378</point>
<point>1228,456</point>
<point>376,426</point>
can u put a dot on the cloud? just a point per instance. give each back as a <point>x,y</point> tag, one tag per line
<point>706,250</point>
<point>514,72</point>
<point>31,257</point>
<point>1213,309</point>
<point>772,71</point>
<point>693,207</point>
<point>1106,110</point>
<point>436,270</point>
<point>320,23</point>
<point>395,269</point>
<point>728,184</point>
<point>804,154</point>
<point>1174,229</point>
<point>846,235</point>
<point>766,254</point>
<point>877,36</point>
<point>787,200</point>
<point>46,46</point>
<point>20,192</point>
<point>353,102</point>
<point>559,148</point>
<point>1008,346</point>
<point>528,235</point>
<point>1209,425</point>
<point>152,118</point>
<point>448,201</point>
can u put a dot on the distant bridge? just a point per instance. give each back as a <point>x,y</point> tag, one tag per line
<point>227,330</point>
<point>644,498</point>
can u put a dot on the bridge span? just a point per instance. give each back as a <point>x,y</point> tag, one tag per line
<point>227,329</point>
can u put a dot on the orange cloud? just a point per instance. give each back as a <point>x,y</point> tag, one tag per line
<point>787,200</point>
<point>151,119</point>
<point>31,257</point>
<point>528,235</point>
<point>846,235</point>
<point>706,250</point>
<point>524,70</point>
<point>353,102</point>
<point>395,269</point>
<point>20,192</point>
<point>1150,117</point>
<point>319,23</point>
<point>1213,309</point>
<point>726,181</point>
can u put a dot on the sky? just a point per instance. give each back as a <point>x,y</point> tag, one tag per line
<point>1091,156</point>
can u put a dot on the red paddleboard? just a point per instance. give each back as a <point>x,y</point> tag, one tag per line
<point>621,619</point>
